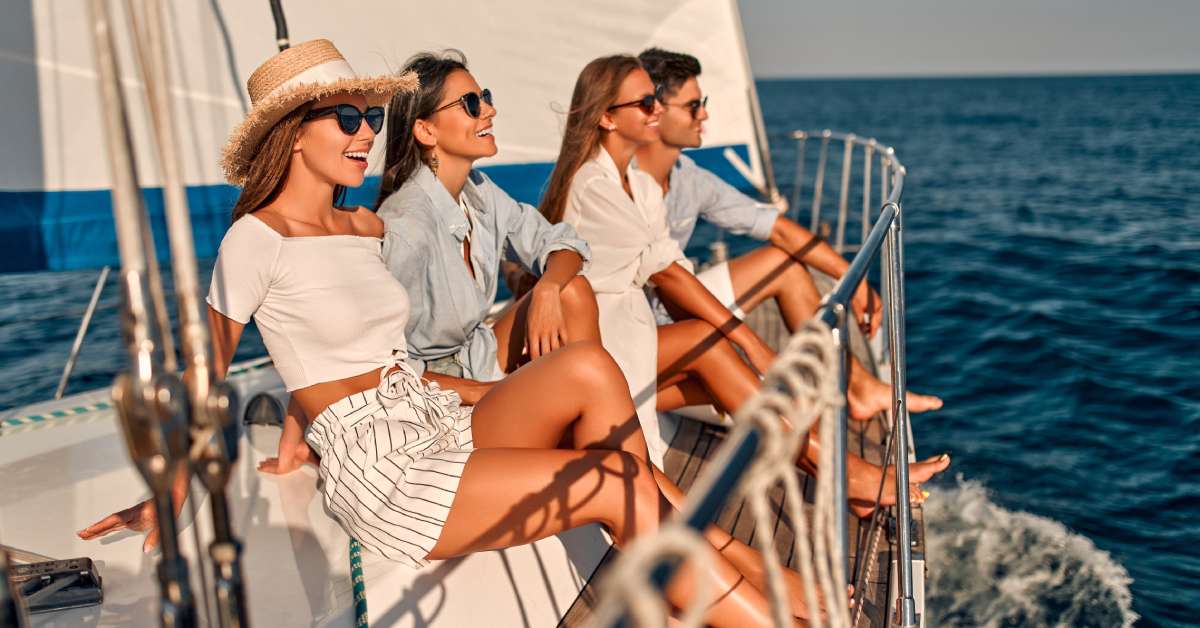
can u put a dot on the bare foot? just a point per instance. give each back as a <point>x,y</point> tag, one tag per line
<point>864,478</point>
<point>869,396</point>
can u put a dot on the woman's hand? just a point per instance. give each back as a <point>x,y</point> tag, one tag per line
<point>138,517</point>
<point>867,308</point>
<point>545,328</point>
<point>141,516</point>
<point>300,455</point>
<point>293,451</point>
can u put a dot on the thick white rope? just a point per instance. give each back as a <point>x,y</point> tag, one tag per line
<point>629,578</point>
<point>799,388</point>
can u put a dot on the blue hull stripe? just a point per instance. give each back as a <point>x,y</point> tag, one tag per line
<point>68,230</point>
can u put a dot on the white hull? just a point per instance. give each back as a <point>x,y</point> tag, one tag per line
<point>63,473</point>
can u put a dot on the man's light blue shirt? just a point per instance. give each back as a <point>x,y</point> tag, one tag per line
<point>694,192</point>
<point>423,247</point>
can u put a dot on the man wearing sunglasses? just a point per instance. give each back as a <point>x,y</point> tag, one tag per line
<point>778,271</point>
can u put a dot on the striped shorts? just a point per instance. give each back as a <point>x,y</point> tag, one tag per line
<point>391,460</point>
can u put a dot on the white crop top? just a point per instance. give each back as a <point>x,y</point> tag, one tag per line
<point>327,307</point>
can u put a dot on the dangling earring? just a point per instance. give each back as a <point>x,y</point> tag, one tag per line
<point>433,162</point>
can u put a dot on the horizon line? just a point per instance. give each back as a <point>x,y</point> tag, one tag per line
<point>980,75</point>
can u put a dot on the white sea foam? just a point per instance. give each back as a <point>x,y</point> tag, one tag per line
<point>994,567</point>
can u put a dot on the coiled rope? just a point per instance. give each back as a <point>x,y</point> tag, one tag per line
<point>800,387</point>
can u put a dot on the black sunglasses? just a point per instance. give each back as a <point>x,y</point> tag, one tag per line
<point>471,102</point>
<point>645,103</point>
<point>694,105</point>
<point>349,117</point>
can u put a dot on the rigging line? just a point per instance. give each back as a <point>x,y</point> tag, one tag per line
<point>281,29</point>
<point>859,588</point>
<point>151,62</point>
<point>79,335</point>
<point>870,568</point>
<point>230,59</point>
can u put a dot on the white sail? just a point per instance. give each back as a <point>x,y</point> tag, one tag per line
<point>529,52</point>
<point>55,213</point>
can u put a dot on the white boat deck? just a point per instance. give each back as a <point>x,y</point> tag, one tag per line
<point>62,473</point>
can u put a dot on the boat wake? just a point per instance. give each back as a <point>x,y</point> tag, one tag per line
<point>994,567</point>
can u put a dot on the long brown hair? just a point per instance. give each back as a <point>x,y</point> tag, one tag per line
<point>595,90</point>
<point>269,164</point>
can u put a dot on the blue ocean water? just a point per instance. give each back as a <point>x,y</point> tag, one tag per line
<point>1053,253</point>
<point>1052,239</point>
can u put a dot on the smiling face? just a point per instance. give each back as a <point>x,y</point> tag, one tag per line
<point>678,127</point>
<point>630,122</point>
<point>452,133</point>
<point>326,151</point>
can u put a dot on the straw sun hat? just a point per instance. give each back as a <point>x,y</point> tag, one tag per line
<point>308,71</point>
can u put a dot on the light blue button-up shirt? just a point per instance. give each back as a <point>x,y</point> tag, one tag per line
<point>694,191</point>
<point>423,247</point>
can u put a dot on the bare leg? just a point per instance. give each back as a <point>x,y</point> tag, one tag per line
<point>863,478</point>
<point>870,396</point>
<point>601,417</point>
<point>748,560</point>
<point>517,412</point>
<point>683,391</point>
<point>515,496</point>
<point>768,272</point>
<point>693,348</point>
<point>579,312</point>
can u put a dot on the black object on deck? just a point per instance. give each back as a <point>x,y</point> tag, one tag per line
<point>57,584</point>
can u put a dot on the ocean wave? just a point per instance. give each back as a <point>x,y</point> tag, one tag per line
<point>989,566</point>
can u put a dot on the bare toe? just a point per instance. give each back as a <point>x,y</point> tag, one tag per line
<point>923,403</point>
<point>926,469</point>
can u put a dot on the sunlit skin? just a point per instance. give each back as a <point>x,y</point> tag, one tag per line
<point>772,272</point>
<point>697,362</point>
<point>516,487</point>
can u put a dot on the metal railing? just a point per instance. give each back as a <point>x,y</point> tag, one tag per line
<point>81,332</point>
<point>871,151</point>
<point>883,237</point>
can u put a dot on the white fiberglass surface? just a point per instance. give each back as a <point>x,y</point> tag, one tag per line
<point>62,475</point>
<point>58,479</point>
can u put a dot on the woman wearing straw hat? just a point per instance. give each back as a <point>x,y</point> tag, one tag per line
<point>399,468</point>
